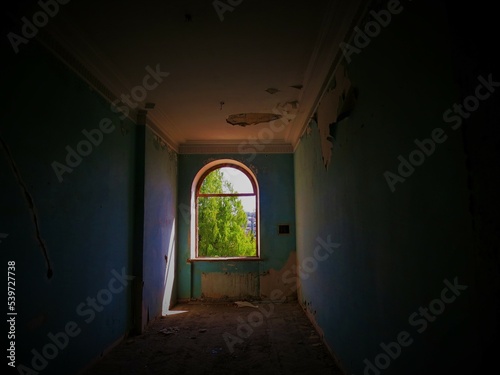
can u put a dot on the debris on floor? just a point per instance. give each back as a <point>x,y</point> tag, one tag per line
<point>169,330</point>
<point>216,351</point>
<point>281,343</point>
<point>244,304</point>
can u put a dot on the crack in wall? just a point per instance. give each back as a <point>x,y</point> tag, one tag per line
<point>29,200</point>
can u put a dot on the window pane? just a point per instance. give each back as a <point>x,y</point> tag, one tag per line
<point>213,183</point>
<point>237,180</point>
<point>226,180</point>
<point>224,227</point>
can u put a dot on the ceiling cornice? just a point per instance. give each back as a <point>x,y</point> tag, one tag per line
<point>243,147</point>
<point>57,47</point>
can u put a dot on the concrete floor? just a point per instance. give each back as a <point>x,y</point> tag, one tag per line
<point>199,341</point>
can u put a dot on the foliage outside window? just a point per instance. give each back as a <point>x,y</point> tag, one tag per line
<point>226,214</point>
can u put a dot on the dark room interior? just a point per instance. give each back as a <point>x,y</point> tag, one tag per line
<point>364,241</point>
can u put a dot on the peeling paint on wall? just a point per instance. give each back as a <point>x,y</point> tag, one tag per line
<point>161,145</point>
<point>336,104</point>
<point>281,280</point>
<point>219,285</point>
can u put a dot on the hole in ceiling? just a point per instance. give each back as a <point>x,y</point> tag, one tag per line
<point>245,119</point>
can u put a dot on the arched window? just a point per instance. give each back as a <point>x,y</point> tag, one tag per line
<point>226,201</point>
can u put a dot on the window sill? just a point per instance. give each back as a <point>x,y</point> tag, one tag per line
<point>221,259</point>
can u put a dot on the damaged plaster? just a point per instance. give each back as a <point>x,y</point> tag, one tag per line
<point>221,285</point>
<point>160,145</point>
<point>232,283</point>
<point>272,90</point>
<point>286,111</point>
<point>283,280</point>
<point>335,105</point>
<point>245,119</point>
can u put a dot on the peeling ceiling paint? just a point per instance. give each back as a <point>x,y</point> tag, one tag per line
<point>296,49</point>
<point>272,90</point>
<point>245,119</point>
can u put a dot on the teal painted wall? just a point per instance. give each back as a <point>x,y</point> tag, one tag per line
<point>274,173</point>
<point>395,249</point>
<point>160,208</point>
<point>85,221</point>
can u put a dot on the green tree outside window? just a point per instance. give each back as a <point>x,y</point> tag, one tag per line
<point>222,220</point>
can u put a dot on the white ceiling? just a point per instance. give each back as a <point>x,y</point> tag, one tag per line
<point>258,45</point>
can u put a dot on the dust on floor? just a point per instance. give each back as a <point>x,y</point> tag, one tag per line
<point>216,338</point>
